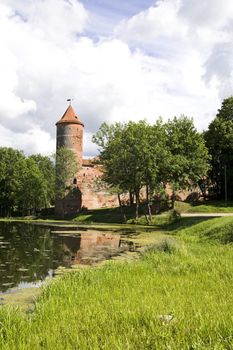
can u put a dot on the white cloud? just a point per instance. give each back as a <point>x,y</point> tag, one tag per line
<point>158,21</point>
<point>164,61</point>
<point>33,141</point>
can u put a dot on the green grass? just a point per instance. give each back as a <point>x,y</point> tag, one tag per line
<point>125,305</point>
<point>106,215</point>
<point>214,230</point>
<point>114,215</point>
<point>206,207</point>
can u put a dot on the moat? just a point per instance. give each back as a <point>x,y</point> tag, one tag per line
<point>29,253</point>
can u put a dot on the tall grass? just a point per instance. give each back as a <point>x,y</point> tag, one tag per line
<point>205,207</point>
<point>176,296</point>
<point>218,229</point>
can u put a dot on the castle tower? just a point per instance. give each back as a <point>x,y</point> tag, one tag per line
<point>70,135</point>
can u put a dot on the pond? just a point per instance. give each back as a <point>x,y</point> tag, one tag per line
<point>30,252</point>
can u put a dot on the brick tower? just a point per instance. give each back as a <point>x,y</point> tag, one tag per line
<point>70,135</point>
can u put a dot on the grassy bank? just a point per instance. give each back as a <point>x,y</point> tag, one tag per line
<point>177,295</point>
<point>110,216</point>
<point>205,207</point>
<point>114,215</point>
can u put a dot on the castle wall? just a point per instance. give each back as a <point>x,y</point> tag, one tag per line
<point>94,193</point>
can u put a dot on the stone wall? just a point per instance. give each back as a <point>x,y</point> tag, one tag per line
<point>94,193</point>
<point>71,136</point>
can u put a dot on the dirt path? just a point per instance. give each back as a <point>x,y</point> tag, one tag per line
<point>190,215</point>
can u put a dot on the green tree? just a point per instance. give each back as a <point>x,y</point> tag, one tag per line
<point>67,167</point>
<point>32,193</point>
<point>11,171</point>
<point>188,158</point>
<point>219,140</point>
<point>132,155</point>
<point>47,169</point>
<point>226,111</point>
<point>25,183</point>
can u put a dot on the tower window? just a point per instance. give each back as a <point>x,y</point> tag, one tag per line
<point>75,181</point>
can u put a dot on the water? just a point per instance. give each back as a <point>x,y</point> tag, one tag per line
<point>30,253</point>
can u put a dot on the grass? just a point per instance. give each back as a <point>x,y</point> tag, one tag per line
<point>106,215</point>
<point>214,230</point>
<point>115,216</point>
<point>110,216</point>
<point>205,207</point>
<point>177,295</point>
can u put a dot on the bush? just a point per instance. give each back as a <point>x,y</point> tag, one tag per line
<point>173,216</point>
<point>166,245</point>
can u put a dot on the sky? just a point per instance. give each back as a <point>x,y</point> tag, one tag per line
<point>119,61</point>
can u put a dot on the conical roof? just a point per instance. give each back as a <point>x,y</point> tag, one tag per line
<point>70,117</point>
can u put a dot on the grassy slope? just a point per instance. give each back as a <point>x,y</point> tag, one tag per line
<point>114,215</point>
<point>208,207</point>
<point>118,306</point>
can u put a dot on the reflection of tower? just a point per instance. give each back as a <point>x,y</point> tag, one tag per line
<point>96,246</point>
<point>70,135</point>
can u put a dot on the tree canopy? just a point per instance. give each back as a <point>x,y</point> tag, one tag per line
<point>24,186</point>
<point>219,140</point>
<point>67,167</point>
<point>137,155</point>
<point>188,158</point>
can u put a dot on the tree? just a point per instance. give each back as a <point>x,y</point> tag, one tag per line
<point>226,111</point>
<point>67,167</point>
<point>11,171</point>
<point>32,192</point>
<point>47,169</point>
<point>132,155</point>
<point>23,187</point>
<point>188,158</point>
<point>219,140</point>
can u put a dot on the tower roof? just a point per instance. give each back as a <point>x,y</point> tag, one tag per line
<point>70,117</point>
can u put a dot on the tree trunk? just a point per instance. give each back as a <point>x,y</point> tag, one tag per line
<point>148,202</point>
<point>173,199</point>
<point>119,199</point>
<point>121,208</point>
<point>137,204</point>
<point>63,214</point>
<point>131,198</point>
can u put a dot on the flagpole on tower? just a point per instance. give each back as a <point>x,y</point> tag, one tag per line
<point>70,100</point>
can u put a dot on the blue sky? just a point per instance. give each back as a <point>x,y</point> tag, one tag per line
<point>117,9</point>
<point>119,60</point>
<point>105,15</point>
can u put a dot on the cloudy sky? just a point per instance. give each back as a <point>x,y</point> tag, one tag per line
<point>119,60</point>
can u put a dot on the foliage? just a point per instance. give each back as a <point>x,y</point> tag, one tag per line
<point>11,171</point>
<point>173,216</point>
<point>167,245</point>
<point>24,185</point>
<point>226,110</point>
<point>219,140</point>
<point>137,155</point>
<point>188,159</point>
<point>67,167</point>
<point>33,181</point>
<point>46,167</point>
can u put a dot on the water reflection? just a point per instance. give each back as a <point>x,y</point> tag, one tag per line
<point>91,247</point>
<point>29,253</point>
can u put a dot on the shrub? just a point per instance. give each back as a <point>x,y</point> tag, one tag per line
<point>173,216</point>
<point>166,245</point>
